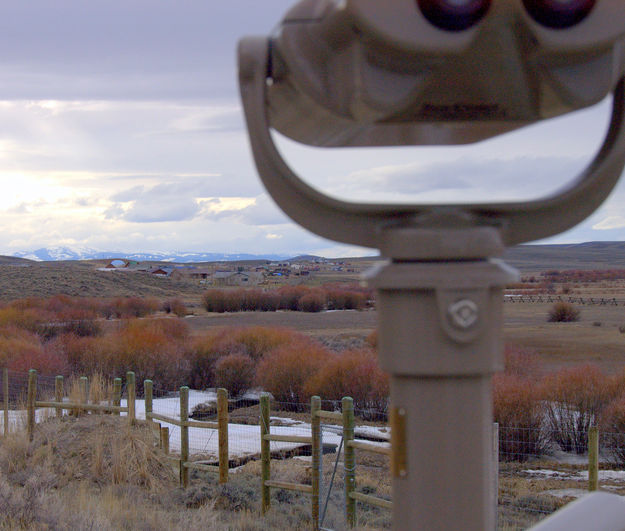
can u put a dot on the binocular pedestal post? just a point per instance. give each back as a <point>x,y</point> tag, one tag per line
<point>440,325</point>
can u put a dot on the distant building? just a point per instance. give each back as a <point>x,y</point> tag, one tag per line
<point>237,278</point>
<point>192,272</point>
<point>118,263</point>
<point>164,271</point>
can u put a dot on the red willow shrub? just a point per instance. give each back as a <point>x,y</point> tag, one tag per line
<point>345,298</point>
<point>203,354</point>
<point>234,372</point>
<point>21,350</point>
<point>563,312</point>
<point>154,349</point>
<point>294,298</point>
<point>612,429</point>
<point>83,353</point>
<point>285,371</point>
<point>519,411</point>
<point>575,399</point>
<point>175,306</point>
<point>223,300</point>
<point>127,307</point>
<point>255,342</point>
<point>290,296</point>
<point>354,373</point>
<point>313,302</point>
<point>372,340</point>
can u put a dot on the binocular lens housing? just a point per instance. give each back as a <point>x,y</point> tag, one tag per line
<point>454,15</point>
<point>558,14</point>
<point>458,15</point>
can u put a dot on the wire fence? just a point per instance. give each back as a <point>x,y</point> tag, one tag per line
<point>584,301</point>
<point>539,470</point>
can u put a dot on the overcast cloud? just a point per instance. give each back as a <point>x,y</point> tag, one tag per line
<point>121,128</point>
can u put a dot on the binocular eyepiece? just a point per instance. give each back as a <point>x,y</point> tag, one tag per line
<point>438,72</point>
<point>458,15</point>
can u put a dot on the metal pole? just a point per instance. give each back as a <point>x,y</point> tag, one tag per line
<point>439,336</point>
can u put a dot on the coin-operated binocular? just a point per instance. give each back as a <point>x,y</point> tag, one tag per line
<point>435,72</point>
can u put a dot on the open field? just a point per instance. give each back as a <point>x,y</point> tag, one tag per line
<point>596,337</point>
<point>82,279</point>
<point>528,490</point>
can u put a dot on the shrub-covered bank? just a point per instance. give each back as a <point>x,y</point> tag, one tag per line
<point>64,336</point>
<point>294,298</point>
<point>539,413</point>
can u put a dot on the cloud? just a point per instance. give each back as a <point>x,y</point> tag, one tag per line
<point>163,202</point>
<point>460,180</point>
<point>262,211</point>
<point>609,223</point>
<point>117,49</point>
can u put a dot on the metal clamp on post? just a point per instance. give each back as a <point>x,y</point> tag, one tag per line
<point>411,72</point>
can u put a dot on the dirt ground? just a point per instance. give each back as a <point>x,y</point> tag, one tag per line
<point>594,338</point>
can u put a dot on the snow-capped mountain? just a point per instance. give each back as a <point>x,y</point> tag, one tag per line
<point>74,253</point>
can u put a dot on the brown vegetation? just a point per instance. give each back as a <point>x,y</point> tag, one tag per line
<point>563,312</point>
<point>294,298</point>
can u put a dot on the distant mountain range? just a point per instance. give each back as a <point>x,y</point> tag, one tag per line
<point>53,254</point>
<point>588,255</point>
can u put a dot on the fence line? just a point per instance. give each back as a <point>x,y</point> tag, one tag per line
<point>314,440</point>
<point>79,407</point>
<point>184,423</point>
<point>348,442</point>
<point>584,301</point>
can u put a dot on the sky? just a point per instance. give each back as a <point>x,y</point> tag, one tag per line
<point>121,129</point>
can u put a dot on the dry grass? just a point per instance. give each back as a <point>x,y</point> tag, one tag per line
<point>96,472</point>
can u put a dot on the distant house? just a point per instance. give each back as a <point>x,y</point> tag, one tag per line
<point>237,278</point>
<point>164,271</point>
<point>201,274</point>
<point>280,272</point>
<point>192,272</point>
<point>117,263</point>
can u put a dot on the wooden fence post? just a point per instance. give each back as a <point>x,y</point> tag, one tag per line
<point>58,394</point>
<point>165,439</point>
<point>30,404</point>
<point>496,470</point>
<point>349,460</point>
<point>222,421</point>
<point>593,458</point>
<point>147,393</point>
<point>265,454</point>
<point>315,432</point>
<point>132,392</point>
<point>5,392</point>
<point>84,392</point>
<point>184,435</point>
<point>117,394</point>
